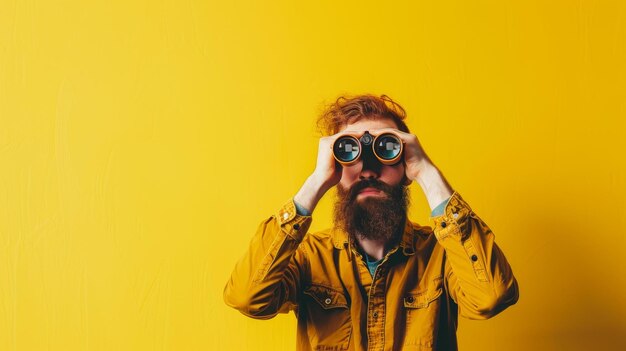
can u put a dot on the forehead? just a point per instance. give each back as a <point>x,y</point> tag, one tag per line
<point>369,124</point>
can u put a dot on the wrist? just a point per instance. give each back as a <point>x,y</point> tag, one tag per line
<point>426,171</point>
<point>310,193</point>
<point>434,185</point>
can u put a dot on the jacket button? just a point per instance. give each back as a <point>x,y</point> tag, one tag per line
<point>410,299</point>
<point>328,301</point>
<point>375,314</point>
<point>296,226</point>
<point>443,224</point>
<point>474,258</point>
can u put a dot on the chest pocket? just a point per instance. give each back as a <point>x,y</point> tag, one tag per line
<point>422,308</point>
<point>327,318</point>
<point>423,298</point>
<point>327,297</point>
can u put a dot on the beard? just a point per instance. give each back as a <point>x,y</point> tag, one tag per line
<point>375,217</point>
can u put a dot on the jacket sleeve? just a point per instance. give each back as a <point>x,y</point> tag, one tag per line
<point>478,276</point>
<point>267,278</point>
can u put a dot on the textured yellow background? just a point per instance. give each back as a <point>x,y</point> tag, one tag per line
<point>142,142</point>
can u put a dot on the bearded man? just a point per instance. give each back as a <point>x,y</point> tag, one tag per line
<point>375,280</point>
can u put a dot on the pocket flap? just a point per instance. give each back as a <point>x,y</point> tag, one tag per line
<point>327,297</point>
<point>423,298</point>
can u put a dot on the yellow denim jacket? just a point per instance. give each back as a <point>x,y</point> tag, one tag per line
<point>411,303</point>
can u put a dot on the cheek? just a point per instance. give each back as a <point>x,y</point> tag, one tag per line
<point>393,175</point>
<point>349,175</point>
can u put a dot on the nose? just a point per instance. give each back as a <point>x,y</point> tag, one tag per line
<point>371,167</point>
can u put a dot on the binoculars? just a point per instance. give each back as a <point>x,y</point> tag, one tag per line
<point>386,147</point>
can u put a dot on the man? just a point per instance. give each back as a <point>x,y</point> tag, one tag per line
<point>376,280</point>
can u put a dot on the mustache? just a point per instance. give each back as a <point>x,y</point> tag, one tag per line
<point>369,183</point>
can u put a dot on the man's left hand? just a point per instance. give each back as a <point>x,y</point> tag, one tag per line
<point>415,158</point>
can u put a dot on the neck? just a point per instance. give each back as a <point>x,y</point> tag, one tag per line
<point>374,249</point>
<point>377,249</point>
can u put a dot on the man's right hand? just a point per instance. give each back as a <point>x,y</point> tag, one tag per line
<point>327,174</point>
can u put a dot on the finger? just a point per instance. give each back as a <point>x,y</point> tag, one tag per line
<point>333,138</point>
<point>405,137</point>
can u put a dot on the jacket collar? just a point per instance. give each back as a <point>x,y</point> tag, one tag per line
<point>341,239</point>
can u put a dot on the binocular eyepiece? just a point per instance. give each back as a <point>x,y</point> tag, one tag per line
<point>387,147</point>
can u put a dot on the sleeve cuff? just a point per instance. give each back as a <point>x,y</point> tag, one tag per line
<point>454,219</point>
<point>291,222</point>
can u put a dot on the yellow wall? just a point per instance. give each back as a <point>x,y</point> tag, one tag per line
<point>142,142</point>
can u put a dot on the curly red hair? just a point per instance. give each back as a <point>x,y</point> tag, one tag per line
<point>347,109</point>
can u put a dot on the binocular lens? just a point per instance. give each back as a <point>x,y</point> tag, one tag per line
<point>347,149</point>
<point>387,147</point>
